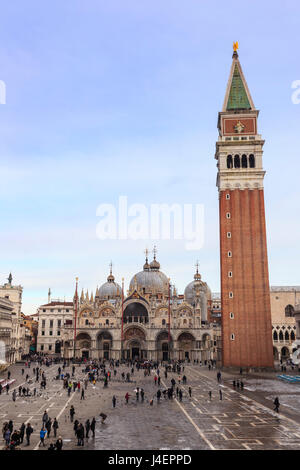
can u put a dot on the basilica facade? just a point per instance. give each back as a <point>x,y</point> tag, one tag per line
<point>151,322</point>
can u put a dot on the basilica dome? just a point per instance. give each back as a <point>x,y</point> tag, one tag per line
<point>197,288</point>
<point>110,289</point>
<point>150,280</point>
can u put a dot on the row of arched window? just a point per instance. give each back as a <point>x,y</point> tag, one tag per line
<point>286,336</point>
<point>243,161</point>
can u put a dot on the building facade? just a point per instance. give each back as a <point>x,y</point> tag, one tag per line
<point>284,302</point>
<point>245,297</point>
<point>52,318</point>
<point>20,340</point>
<point>152,322</point>
<point>6,329</point>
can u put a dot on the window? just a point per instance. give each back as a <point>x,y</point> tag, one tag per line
<point>289,311</point>
<point>43,333</point>
<point>251,161</point>
<point>286,336</point>
<point>228,234</point>
<point>231,315</point>
<point>244,161</point>
<point>163,322</point>
<point>51,323</point>
<point>50,333</point>
<point>50,347</point>
<point>229,161</point>
<point>43,323</point>
<point>229,273</point>
<point>67,310</point>
<point>86,322</point>
<point>292,336</point>
<point>58,323</point>
<point>232,336</point>
<point>237,162</point>
<point>229,254</point>
<point>230,295</point>
<point>42,347</point>
<point>106,322</point>
<point>44,310</point>
<point>227,215</point>
<point>227,196</point>
<point>59,310</point>
<point>58,333</point>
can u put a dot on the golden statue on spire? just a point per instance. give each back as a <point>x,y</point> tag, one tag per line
<point>235,46</point>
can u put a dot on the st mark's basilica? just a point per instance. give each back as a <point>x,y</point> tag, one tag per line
<point>152,322</point>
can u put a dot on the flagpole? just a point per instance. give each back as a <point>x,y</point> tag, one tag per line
<point>122,331</point>
<point>75,320</point>
<point>169,319</point>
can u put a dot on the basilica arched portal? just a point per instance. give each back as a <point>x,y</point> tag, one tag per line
<point>104,344</point>
<point>83,345</point>
<point>134,346</point>
<point>186,346</point>
<point>163,346</point>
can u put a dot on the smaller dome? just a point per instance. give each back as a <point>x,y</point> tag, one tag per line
<point>154,265</point>
<point>110,289</point>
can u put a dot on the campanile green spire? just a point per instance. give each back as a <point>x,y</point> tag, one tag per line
<point>237,96</point>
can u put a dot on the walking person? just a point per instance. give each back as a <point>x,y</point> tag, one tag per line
<point>7,435</point>
<point>72,412</point>
<point>45,418</point>
<point>55,426</point>
<point>22,432</point>
<point>82,394</point>
<point>43,433</point>
<point>48,427</point>
<point>87,428</point>
<point>29,431</point>
<point>277,404</point>
<point>221,395</point>
<point>190,392</point>
<point>114,400</point>
<point>93,426</point>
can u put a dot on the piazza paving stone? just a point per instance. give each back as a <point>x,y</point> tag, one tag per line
<point>242,420</point>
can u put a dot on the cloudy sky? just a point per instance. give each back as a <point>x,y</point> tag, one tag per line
<point>115,98</point>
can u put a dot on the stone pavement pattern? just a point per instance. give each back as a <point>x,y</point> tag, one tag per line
<point>241,420</point>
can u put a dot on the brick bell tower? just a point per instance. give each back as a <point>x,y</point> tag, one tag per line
<point>245,296</point>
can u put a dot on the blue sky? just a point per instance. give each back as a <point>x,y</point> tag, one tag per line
<point>121,98</point>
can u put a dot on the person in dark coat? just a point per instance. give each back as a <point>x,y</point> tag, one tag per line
<point>277,404</point>
<point>55,426</point>
<point>87,428</point>
<point>28,431</point>
<point>93,426</point>
<point>22,432</point>
<point>59,443</point>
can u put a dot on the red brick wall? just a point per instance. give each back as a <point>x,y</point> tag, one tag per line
<point>252,346</point>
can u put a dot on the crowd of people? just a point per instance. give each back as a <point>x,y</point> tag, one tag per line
<point>92,372</point>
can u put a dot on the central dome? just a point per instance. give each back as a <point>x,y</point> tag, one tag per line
<point>150,280</point>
